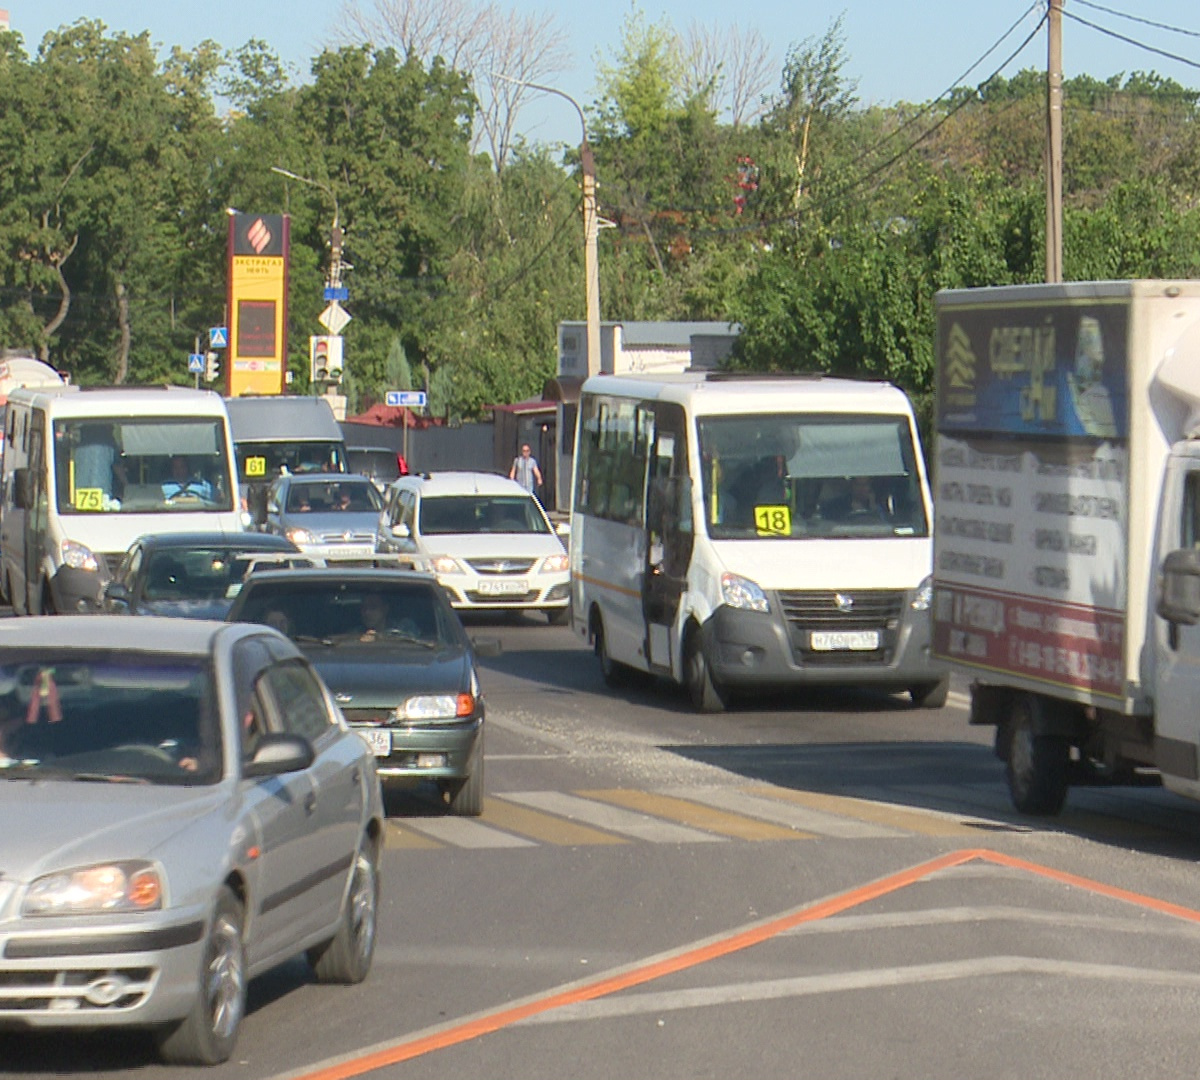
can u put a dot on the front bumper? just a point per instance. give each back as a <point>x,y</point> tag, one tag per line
<point>474,592</point>
<point>75,974</point>
<point>777,648</point>
<point>433,751</point>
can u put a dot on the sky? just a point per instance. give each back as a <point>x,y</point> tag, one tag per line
<point>896,50</point>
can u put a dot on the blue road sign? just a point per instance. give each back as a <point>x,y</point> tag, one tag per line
<point>337,292</point>
<point>196,363</point>
<point>218,337</point>
<point>412,399</point>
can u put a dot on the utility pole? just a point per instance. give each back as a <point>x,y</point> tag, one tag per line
<point>1054,209</point>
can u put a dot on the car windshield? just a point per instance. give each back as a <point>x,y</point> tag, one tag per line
<point>319,497</point>
<point>331,612</point>
<point>448,514</point>
<point>795,476</point>
<point>143,465</point>
<point>107,715</point>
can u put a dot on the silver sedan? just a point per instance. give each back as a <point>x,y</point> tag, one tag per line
<point>184,808</point>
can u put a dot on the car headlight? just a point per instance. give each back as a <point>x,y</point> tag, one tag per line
<point>300,536</point>
<point>443,564</point>
<point>436,707</point>
<point>555,564</point>
<point>740,592</point>
<point>100,889</point>
<point>923,600</point>
<point>78,557</point>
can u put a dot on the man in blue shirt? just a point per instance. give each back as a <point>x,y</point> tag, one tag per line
<point>182,482</point>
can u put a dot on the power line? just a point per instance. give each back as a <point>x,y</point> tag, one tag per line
<point>1131,41</point>
<point>1138,19</point>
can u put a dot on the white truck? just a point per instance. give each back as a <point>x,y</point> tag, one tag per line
<point>1067,528</point>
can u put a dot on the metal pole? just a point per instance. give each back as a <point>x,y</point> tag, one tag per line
<point>1054,209</point>
<point>406,437</point>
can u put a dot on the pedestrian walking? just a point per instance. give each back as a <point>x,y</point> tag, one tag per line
<point>525,470</point>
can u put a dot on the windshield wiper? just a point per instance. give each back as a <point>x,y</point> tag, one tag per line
<point>309,639</point>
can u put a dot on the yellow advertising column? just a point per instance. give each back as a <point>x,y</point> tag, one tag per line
<point>258,288</point>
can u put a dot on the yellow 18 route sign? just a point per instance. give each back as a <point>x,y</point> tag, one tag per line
<point>258,281</point>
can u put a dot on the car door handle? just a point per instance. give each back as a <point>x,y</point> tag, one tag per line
<point>310,803</point>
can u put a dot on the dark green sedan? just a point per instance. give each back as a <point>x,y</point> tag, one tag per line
<point>399,663</point>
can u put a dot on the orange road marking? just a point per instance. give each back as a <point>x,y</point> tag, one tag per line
<point>714,948</point>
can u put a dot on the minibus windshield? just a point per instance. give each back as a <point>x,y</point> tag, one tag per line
<point>786,476</point>
<point>118,465</point>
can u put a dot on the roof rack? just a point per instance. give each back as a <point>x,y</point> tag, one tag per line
<point>380,560</point>
<point>782,376</point>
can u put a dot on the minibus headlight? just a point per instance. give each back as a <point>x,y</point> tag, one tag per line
<point>443,564</point>
<point>555,564</point>
<point>740,592</point>
<point>78,557</point>
<point>923,600</point>
<point>300,536</point>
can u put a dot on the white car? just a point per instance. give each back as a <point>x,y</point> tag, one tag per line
<point>486,538</point>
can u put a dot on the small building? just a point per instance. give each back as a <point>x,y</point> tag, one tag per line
<point>626,348</point>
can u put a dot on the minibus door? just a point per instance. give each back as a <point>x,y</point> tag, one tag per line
<point>669,534</point>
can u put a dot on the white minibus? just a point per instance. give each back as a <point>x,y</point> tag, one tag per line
<point>88,470</point>
<point>740,533</point>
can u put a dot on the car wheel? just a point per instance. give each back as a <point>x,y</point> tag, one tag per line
<point>347,957</point>
<point>702,689</point>
<point>615,674</point>
<point>1038,764</point>
<point>930,695</point>
<point>206,1036</point>
<point>558,616</point>
<point>465,797</point>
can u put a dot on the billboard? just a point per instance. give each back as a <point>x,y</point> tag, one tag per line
<point>256,362</point>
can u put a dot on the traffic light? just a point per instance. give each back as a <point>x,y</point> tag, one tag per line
<point>212,366</point>
<point>335,359</point>
<point>325,358</point>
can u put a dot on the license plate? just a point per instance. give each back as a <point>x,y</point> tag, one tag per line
<point>855,640</point>
<point>344,552</point>
<point>503,588</point>
<point>380,742</point>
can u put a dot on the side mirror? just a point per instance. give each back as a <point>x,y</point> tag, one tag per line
<point>116,595</point>
<point>277,753</point>
<point>272,508</point>
<point>487,646</point>
<point>400,531</point>
<point>1179,588</point>
<point>563,528</point>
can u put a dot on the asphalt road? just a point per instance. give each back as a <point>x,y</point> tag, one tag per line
<point>826,885</point>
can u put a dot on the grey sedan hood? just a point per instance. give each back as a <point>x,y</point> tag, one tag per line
<point>51,825</point>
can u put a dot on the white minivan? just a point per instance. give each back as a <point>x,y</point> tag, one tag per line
<point>88,470</point>
<point>741,534</point>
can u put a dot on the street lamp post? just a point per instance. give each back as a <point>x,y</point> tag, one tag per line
<point>335,236</point>
<point>591,226</point>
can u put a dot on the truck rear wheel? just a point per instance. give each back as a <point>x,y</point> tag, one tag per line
<point>1037,763</point>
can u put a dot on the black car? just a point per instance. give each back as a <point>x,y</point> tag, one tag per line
<point>399,663</point>
<point>192,575</point>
